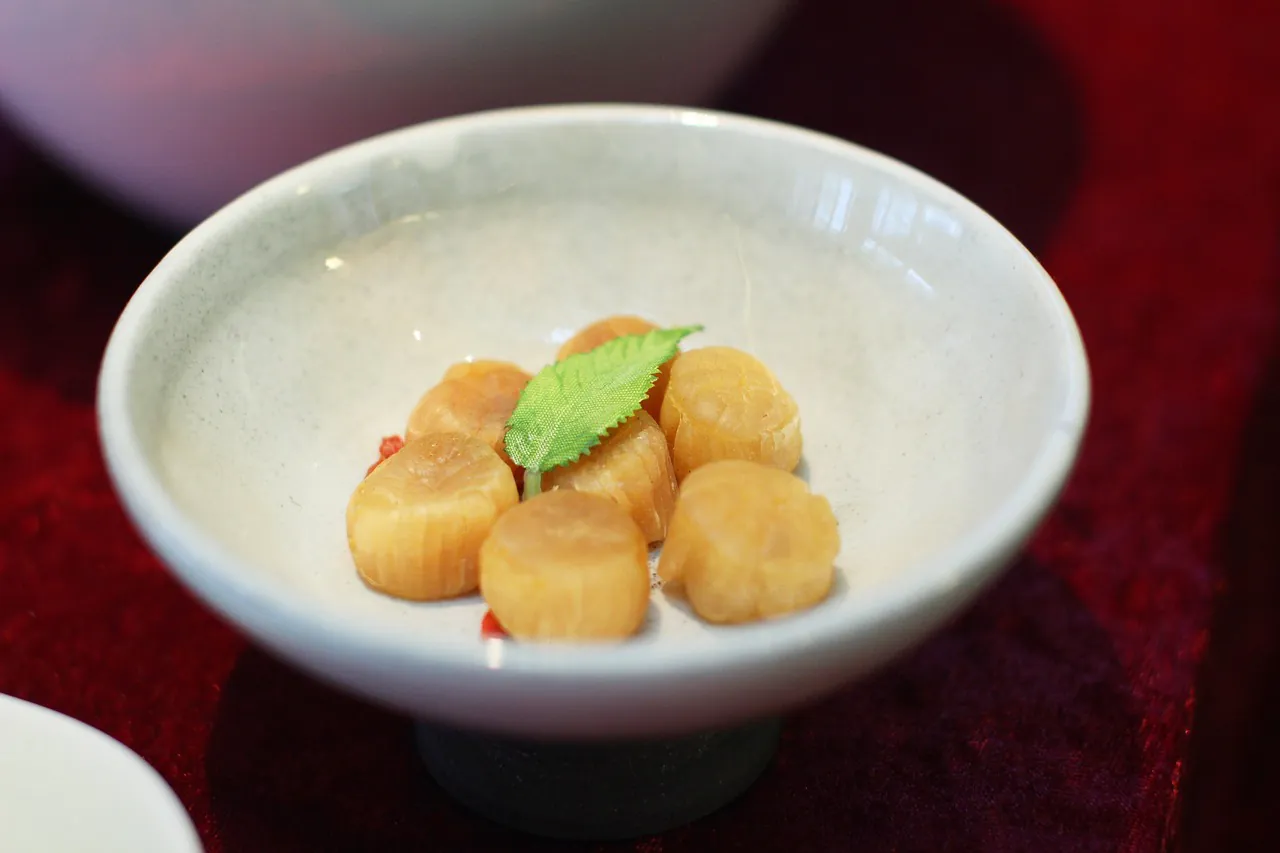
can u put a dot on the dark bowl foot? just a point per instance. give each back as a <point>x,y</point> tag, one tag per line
<point>597,791</point>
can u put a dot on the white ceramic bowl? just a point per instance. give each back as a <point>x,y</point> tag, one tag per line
<point>941,380</point>
<point>66,787</point>
<point>177,108</point>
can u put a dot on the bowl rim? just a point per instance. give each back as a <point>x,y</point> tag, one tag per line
<point>266,608</point>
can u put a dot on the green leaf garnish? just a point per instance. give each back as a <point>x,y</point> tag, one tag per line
<point>568,407</point>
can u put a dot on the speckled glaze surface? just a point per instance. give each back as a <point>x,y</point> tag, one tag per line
<point>942,385</point>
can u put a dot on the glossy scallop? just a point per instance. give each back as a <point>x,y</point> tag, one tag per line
<point>631,467</point>
<point>723,403</point>
<point>415,524</point>
<point>488,372</point>
<point>474,398</point>
<point>566,565</point>
<point>749,542</point>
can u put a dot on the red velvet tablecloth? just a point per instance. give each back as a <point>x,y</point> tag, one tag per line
<point>1135,147</point>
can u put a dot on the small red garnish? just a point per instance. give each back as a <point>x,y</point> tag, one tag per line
<point>391,445</point>
<point>490,628</point>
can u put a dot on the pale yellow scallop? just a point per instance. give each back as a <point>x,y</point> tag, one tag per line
<point>723,403</point>
<point>632,467</point>
<point>415,524</point>
<point>474,398</point>
<point>749,542</point>
<point>566,565</point>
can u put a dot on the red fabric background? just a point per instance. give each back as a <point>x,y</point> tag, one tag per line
<point>1136,148</point>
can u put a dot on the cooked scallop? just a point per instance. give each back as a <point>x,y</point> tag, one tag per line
<point>474,398</point>
<point>489,372</point>
<point>749,542</point>
<point>416,522</point>
<point>722,403</point>
<point>566,565</point>
<point>631,467</point>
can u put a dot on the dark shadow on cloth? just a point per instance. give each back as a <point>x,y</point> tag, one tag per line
<point>1233,768</point>
<point>1021,701</point>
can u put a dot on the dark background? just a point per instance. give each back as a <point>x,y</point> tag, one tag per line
<point>1115,692</point>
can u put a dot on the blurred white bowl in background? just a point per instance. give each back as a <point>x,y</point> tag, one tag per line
<point>175,108</point>
<point>66,787</point>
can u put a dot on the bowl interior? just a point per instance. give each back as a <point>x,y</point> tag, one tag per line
<point>934,363</point>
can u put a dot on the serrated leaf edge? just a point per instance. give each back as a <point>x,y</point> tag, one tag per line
<point>653,378</point>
